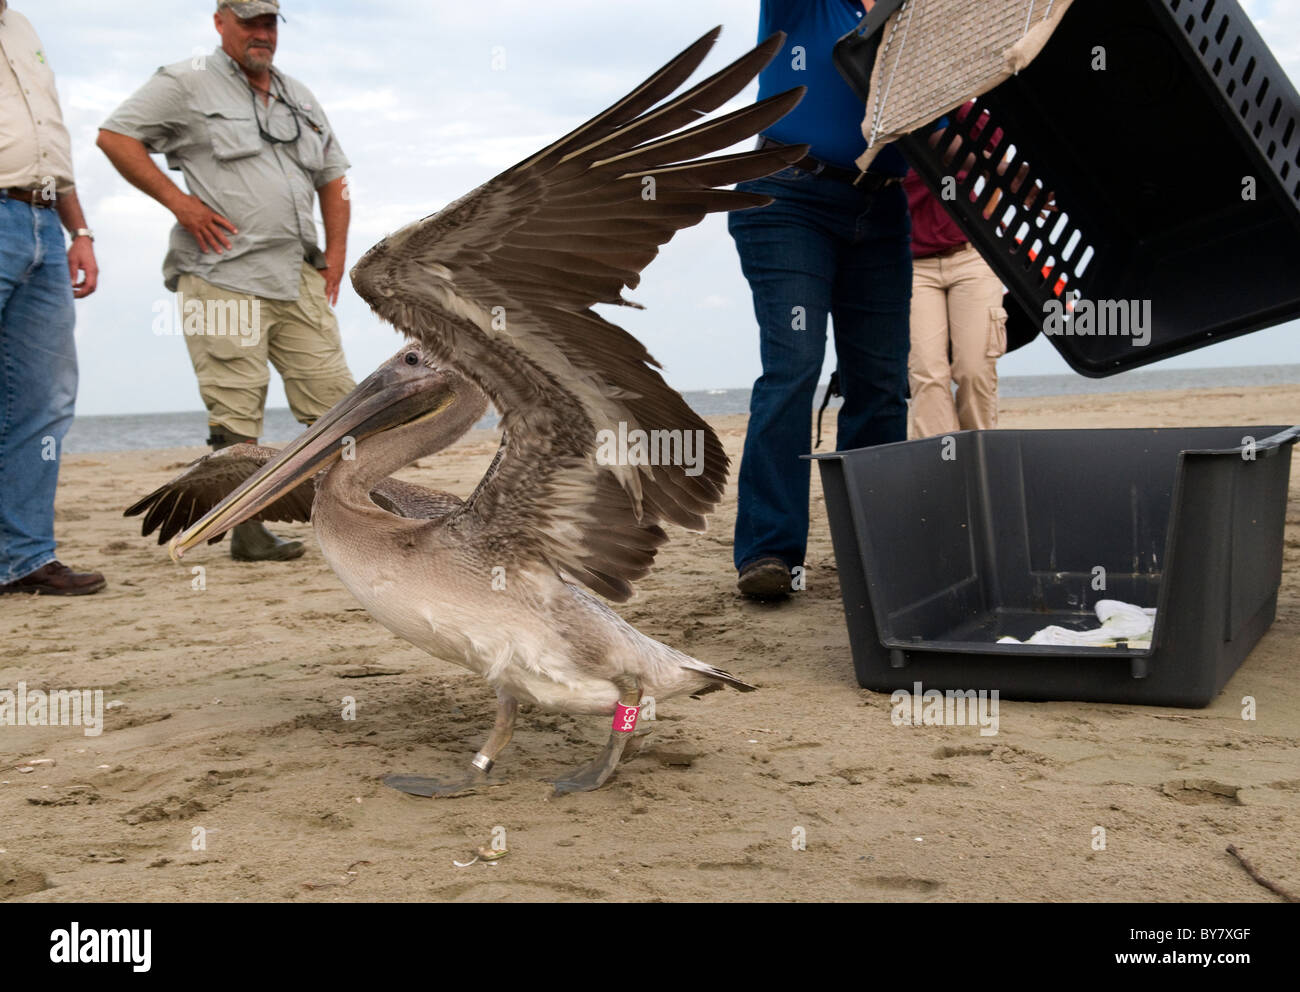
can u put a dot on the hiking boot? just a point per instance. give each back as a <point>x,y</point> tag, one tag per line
<point>251,541</point>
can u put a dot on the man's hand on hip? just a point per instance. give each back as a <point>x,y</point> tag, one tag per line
<point>336,212</point>
<point>333,273</point>
<point>204,223</point>
<point>82,267</point>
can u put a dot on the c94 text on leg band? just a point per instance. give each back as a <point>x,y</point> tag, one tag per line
<point>625,718</point>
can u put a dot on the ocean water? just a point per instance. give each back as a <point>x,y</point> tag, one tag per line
<point>132,432</point>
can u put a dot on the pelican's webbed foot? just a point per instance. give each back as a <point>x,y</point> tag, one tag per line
<point>596,774</point>
<point>418,785</point>
<point>502,729</point>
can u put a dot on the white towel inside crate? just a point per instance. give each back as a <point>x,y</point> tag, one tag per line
<point>1119,622</point>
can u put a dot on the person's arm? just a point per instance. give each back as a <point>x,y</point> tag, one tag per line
<point>157,119</point>
<point>81,253</point>
<point>336,212</point>
<point>130,157</point>
<point>330,181</point>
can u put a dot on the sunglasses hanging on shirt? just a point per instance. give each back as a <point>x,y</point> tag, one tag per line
<point>293,112</point>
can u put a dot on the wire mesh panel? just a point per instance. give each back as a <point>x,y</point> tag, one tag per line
<point>935,54</point>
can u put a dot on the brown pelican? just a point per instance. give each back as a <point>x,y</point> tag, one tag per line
<point>497,290</point>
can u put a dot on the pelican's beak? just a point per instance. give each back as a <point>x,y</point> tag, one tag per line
<point>401,391</point>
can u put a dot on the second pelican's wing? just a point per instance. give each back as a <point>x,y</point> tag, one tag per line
<point>172,507</point>
<point>500,285</point>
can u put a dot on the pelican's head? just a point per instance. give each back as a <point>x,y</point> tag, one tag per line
<point>403,391</point>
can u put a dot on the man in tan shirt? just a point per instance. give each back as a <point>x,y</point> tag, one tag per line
<point>39,278</point>
<point>256,150</point>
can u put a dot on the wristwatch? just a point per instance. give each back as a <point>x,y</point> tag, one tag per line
<point>83,232</point>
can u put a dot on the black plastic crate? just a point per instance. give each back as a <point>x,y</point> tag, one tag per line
<point>946,544</point>
<point>1148,161</point>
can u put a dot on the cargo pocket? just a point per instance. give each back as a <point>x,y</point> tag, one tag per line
<point>233,137</point>
<point>997,345</point>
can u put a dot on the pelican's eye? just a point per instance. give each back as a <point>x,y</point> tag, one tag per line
<point>412,358</point>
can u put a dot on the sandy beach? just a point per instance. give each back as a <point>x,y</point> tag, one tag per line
<point>226,771</point>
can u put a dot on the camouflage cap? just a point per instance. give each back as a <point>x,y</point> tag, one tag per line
<point>244,9</point>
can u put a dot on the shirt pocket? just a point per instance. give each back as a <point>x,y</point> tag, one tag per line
<point>34,69</point>
<point>234,133</point>
<point>309,149</point>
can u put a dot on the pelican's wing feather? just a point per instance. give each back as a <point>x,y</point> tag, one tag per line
<point>500,285</point>
<point>406,499</point>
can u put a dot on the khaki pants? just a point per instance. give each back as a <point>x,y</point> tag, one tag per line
<point>957,302</point>
<point>232,335</point>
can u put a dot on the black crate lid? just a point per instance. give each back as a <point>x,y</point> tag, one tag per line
<point>1169,138</point>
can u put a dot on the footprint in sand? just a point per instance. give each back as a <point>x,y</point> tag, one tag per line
<point>16,880</point>
<point>1201,792</point>
<point>901,883</point>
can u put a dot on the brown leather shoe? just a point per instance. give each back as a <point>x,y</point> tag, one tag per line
<point>765,579</point>
<point>55,579</point>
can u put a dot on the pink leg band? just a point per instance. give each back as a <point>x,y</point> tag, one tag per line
<point>625,718</point>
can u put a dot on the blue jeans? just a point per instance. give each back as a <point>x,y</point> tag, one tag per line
<point>822,248</point>
<point>38,381</point>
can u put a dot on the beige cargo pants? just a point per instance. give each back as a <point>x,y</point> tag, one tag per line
<point>232,335</point>
<point>957,301</point>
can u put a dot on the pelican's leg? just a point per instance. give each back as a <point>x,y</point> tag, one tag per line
<point>594,775</point>
<point>502,729</point>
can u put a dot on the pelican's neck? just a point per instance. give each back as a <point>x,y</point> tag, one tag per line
<point>380,455</point>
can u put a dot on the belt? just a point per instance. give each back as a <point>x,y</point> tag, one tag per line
<point>35,197</point>
<point>949,252</point>
<point>868,182</point>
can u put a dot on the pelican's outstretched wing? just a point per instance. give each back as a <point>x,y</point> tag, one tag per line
<point>172,507</point>
<point>500,285</point>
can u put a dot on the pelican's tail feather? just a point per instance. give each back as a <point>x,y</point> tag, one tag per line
<point>715,675</point>
<point>663,671</point>
<point>728,679</point>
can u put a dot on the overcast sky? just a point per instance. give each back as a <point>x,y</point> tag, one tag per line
<point>424,116</point>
